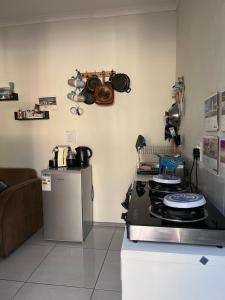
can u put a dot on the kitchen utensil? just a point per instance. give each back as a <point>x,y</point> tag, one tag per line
<point>76,110</point>
<point>53,164</point>
<point>92,83</point>
<point>120,82</point>
<point>83,154</point>
<point>77,83</point>
<point>89,98</point>
<point>71,159</point>
<point>173,115</point>
<point>104,93</point>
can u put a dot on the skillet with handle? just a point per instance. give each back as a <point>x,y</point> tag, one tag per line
<point>120,82</point>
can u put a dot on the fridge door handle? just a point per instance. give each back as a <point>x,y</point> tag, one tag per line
<point>92,193</point>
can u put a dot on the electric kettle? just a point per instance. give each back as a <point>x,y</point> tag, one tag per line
<point>83,155</point>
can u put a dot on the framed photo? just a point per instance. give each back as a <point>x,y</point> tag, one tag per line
<point>222,156</point>
<point>222,111</point>
<point>47,103</point>
<point>211,153</point>
<point>211,107</point>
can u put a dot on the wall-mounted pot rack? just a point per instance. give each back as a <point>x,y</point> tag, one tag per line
<point>99,74</point>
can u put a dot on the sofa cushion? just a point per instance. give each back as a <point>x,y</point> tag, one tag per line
<point>3,186</point>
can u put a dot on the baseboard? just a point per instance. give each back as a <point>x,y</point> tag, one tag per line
<point>109,224</point>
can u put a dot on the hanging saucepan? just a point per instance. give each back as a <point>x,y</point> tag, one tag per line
<point>104,93</point>
<point>120,82</point>
<point>89,98</point>
<point>92,82</point>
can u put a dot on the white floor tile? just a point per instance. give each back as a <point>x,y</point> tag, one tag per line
<point>49,292</point>
<point>117,240</point>
<point>8,289</point>
<point>38,239</point>
<point>99,238</point>
<point>70,266</point>
<point>106,295</point>
<point>22,262</point>
<point>109,278</point>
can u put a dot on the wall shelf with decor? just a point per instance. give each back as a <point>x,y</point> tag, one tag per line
<point>13,97</point>
<point>44,115</point>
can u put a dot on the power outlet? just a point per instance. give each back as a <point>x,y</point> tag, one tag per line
<point>199,146</point>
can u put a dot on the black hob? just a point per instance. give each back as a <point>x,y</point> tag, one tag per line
<point>143,225</point>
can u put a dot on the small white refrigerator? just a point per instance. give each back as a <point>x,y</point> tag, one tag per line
<point>67,203</point>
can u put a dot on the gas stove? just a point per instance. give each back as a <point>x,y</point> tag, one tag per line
<point>149,219</point>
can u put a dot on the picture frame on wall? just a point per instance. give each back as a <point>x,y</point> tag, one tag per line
<point>211,153</point>
<point>211,112</point>
<point>47,103</point>
<point>222,117</point>
<point>222,156</point>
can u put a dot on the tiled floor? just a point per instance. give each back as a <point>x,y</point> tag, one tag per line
<point>40,269</point>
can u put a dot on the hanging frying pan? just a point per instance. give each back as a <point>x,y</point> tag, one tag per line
<point>120,82</point>
<point>92,82</point>
<point>104,93</point>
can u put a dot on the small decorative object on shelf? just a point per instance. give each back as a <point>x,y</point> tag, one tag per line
<point>8,94</point>
<point>31,115</point>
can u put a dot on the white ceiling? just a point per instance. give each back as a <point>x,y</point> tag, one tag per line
<point>15,12</point>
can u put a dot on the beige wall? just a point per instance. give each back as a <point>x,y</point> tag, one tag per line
<point>40,58</point>
<point>201,59</point>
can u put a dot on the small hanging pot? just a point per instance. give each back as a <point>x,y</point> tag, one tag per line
<point>92,83</point>
<point>120,82</point>
<point>104,93</point>
<point>89,98</point>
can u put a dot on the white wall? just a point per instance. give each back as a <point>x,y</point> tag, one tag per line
<point>40,58</point>
<point>201,59</point>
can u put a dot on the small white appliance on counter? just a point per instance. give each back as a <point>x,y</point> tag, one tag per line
<point>67,203</point>
<point>62,151</point>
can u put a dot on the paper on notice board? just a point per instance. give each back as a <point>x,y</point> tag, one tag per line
<point>211,113</point>
<point>211,153</point>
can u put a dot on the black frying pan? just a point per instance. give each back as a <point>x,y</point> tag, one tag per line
<point>120,82</point>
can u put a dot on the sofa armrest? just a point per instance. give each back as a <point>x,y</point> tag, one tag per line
<point>20,214</point>
<point>12,176</point>
<point>19,193</point>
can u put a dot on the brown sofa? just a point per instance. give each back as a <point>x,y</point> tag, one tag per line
<point>20,207</point>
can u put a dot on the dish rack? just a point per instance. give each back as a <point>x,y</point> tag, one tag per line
<point>148,158</point>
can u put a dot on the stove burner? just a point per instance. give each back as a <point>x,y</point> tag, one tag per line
<point>166,179</point>
<point>164,189</point>
<point>184,200</point>
<point>190,215</point>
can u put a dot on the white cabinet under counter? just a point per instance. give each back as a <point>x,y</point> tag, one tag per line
<point>159,271</point>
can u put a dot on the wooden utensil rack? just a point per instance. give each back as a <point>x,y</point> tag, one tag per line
<point>99,74</point>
